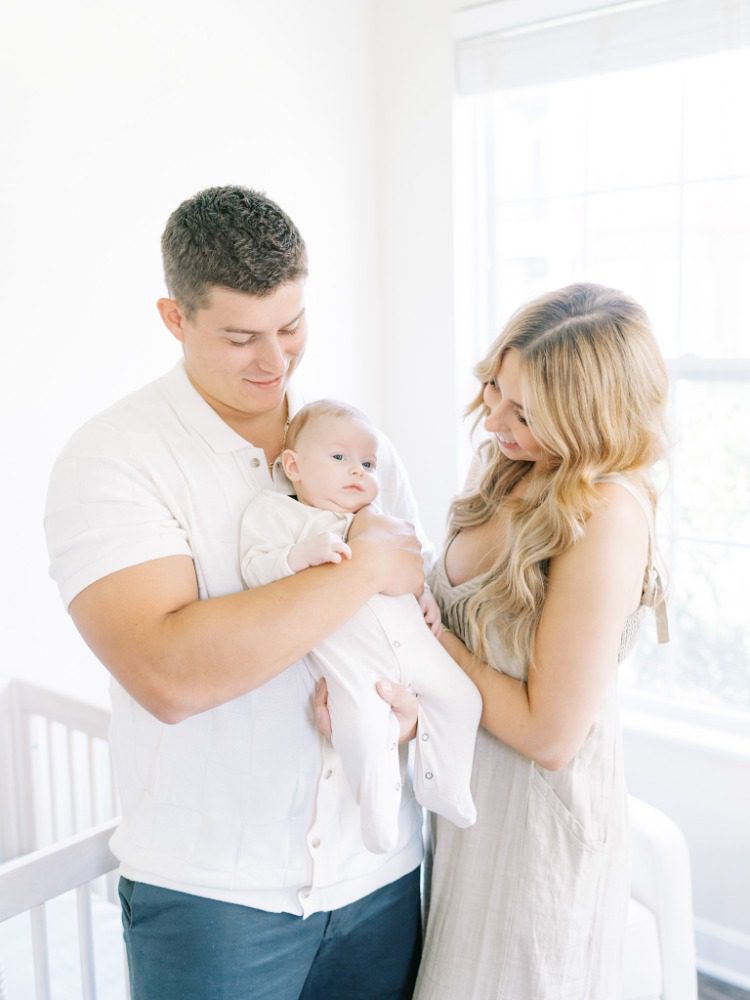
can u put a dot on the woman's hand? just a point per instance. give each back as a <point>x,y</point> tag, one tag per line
<point>403,703</point>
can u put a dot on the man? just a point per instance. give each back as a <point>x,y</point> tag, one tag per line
<point>243,872</point>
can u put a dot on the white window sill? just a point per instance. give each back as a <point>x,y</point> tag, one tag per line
<point>719,730</point>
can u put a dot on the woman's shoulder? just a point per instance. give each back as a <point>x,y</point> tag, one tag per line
<point>625,498</point>
<point>618,529</point>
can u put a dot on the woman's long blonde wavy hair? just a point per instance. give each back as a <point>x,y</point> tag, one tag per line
<point>595,388</point>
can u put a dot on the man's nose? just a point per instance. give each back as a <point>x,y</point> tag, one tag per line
<point>272,357</point>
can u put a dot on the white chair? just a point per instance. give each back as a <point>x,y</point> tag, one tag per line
<point>659,941</point>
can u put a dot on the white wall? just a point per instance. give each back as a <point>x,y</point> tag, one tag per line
<point>111,115</point>
<point>414,106</point>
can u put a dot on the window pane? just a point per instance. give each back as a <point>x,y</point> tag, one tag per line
<point>634,134</point>
<point>632,243</point>
<point>716,268</point>
<point>717,139</point>
<point>708,658</point>
<point>529,127</point>
<point>712,462</point>
<point>539,244</point>
<point>641,179</point>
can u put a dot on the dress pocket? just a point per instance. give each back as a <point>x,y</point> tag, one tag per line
<point>590,839</point>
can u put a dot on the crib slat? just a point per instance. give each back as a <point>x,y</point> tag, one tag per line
<point>40,952</point>
<point>86,942</point>
<point>127,973</point>
<point>75,823</point>
<point>54,808</point>
<point>113,802</point>
<point>27,806</point>
<point>94,811</point>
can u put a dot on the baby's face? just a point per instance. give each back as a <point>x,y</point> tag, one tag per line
<point>334,464</point>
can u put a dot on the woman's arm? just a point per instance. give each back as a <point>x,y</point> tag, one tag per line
<point>592,588</point>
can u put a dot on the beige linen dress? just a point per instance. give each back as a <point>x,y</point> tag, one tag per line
<point>530,902</point>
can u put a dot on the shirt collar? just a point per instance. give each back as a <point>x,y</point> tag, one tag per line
<point>193,409</point>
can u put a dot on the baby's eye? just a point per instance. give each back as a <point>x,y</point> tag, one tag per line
<point>368,465</point>
<point>337,456</point>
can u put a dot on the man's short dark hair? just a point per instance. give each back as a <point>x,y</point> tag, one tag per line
<point>232,237</point>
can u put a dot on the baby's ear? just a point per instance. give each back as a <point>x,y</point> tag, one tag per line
<point>289,464</point>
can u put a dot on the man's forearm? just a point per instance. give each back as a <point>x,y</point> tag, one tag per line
<point>178,655</point>
<point>223,647</point>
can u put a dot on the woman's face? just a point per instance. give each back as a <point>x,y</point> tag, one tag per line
<point>506,420</point>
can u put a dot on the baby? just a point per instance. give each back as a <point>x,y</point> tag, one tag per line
<point>331,458</point>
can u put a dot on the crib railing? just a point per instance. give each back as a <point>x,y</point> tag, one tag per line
<point>55,770</point>
<point>57,813</point>
<point>30,882</point>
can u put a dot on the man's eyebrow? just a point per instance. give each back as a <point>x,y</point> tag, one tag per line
<point>253,333</point>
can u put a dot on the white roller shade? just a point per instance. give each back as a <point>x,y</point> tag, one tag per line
<point>508,44</point>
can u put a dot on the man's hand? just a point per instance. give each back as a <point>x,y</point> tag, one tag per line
<point>404,706</point>
<point>403,703</point>
<point>394,550</point>
<point>323,548</point>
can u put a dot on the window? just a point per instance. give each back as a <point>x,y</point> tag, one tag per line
<point>614,146</point>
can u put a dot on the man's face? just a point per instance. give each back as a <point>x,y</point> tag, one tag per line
<point>333,464</point>
<point>240,349</point>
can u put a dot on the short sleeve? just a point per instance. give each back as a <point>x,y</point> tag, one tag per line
<point>105,513</point>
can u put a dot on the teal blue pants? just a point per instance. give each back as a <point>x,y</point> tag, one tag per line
<point>184,947</point>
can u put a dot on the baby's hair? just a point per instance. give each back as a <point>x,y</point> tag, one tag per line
<point>318,410</point>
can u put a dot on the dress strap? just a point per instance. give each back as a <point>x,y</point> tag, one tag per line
<point>654,591</point>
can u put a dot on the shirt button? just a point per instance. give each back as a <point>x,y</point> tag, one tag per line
<point>428,775</point>
<point>398,786</point>
<point>394,745</point>
<point>396,643</point>
<point>255,462</point>
<point>328,774</point>
<point>315,842</point>
<point>425,736</point>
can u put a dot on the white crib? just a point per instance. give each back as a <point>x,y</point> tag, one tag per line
<point>57,893</point>
<point>57,896</point>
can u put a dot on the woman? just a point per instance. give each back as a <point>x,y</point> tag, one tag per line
<point>548,567</point>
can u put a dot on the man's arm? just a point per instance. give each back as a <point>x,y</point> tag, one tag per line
<point>178,655</point>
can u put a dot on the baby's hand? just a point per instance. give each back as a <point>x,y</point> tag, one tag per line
<point>323,548</point>
<point>431,611</point>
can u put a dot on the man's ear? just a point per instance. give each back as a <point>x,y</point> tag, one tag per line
<point>173,317</point>
<point>290,465</point>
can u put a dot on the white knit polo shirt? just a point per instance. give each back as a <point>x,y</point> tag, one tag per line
<point>245,802</point>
